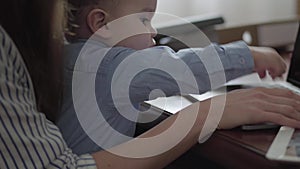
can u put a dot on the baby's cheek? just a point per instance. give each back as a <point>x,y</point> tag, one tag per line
<point>141,41</point>
<point>137,42</point>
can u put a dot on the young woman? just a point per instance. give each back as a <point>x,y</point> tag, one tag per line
<point>29,140</point>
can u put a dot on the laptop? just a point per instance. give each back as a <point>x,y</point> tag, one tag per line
<point>286,145</point>
<point>293,78</point>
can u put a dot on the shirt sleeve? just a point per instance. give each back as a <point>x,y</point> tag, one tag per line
<point>27,138</point>
<point>194,70</point>
<point>111,75</point>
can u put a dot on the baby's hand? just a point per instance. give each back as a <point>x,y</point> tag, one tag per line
<point>267,59</point>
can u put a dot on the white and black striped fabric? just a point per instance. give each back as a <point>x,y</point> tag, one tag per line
<point>27,138</point>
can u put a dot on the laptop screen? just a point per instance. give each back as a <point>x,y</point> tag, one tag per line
<point>294,72</point>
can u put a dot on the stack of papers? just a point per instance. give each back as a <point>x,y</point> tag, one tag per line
<point>173,104</point>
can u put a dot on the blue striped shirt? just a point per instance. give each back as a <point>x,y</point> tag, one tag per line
<point>126,77</point>
<point>27,138</point>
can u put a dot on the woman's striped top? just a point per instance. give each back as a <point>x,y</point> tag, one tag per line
<point>27,138</point>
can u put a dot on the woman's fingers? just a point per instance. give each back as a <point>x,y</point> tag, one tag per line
<point>280,119</point>
<point>287,106</point>
<point>280,101</point>
<point>257,105</point>
<point>286,109</point>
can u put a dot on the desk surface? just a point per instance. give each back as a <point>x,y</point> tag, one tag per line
<point>240,149</point>
<point>233,149</point>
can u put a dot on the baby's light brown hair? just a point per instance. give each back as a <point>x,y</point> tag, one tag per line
<point>78,10</point>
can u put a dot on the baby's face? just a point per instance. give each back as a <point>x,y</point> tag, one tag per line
<point>132,23</point>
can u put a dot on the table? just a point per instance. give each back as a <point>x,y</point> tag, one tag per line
<point>233,149</point>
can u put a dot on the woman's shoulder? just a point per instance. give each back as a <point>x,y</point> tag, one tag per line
<point>13,70</point>
<point>31,141</point>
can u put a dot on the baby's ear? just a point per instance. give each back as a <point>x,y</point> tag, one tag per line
<point>97,20</point>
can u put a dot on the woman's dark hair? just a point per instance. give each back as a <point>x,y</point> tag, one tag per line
<point>28,22</point>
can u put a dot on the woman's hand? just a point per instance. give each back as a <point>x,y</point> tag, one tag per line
<point>257,105</point>
<point>267,60</point>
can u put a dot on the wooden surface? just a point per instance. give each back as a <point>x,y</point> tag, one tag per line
<point>233,149</point>
<point>240,149</point>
